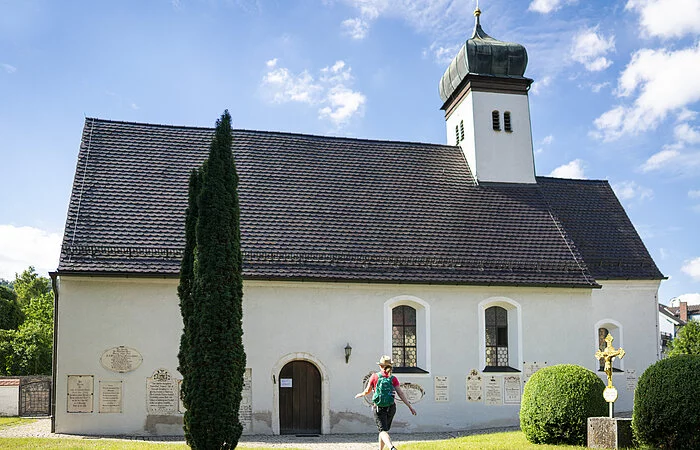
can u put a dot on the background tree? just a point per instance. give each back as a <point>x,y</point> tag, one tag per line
<point>184,289</point>
<point>216,358</point>
<point>687,341</point>
<point>27,348</point>
<point>11,315</point>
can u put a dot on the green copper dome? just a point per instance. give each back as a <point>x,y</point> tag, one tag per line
<point>483,55</point>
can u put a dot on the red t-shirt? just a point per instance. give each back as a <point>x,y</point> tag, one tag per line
<point>373,381</point>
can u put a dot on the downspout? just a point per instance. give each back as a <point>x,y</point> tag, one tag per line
<point>54,367</point>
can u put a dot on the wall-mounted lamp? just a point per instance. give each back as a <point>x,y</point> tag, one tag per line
<point>348,350</point>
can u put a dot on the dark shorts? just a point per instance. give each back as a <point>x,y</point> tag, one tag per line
<point>384,416</point>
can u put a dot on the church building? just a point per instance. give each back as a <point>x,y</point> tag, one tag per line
<point>455,258</point>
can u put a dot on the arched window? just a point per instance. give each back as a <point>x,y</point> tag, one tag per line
<point>403,336</point>
<point>614,329</point>
<point>496,319</point>
<point>461,130</point>
<point>495,119</point>
<point>506,121</point>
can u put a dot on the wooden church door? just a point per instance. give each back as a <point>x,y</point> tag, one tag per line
<point>300,398</point>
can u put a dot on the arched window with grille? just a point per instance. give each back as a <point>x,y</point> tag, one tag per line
<point>506,122</point>
<point>457,133</point>
<point>461,130</point>
<point>496,120</point>
<point>496,319</point>
<point>403,336</point>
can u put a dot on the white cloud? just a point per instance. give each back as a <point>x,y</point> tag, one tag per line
<point>548,140</point>
<point>694,194</point>
<point>330,92</point>
<point>545,6</point>
<point>595,88</point>
<point>630,190</point>
<point>692,268</point>
<point>691,299</point>
<point>540,84</point>
<point>357,28</point>
<point>9,68</point>
<point>660,159</point>
<point>574,169</point>
<point>687,134</point>
<point>686,115</point>
<point>589,48</point>
<point>667,18</point>
<point>441,54</point>
<point>663,81</point>
<point>21,247</point>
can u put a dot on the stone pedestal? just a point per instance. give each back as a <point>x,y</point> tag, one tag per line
<point>606,432</point>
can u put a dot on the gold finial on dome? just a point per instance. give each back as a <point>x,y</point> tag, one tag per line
<point>477,11</point>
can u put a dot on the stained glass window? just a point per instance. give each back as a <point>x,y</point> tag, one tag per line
<point>403,337</point>
<point>496,337</point>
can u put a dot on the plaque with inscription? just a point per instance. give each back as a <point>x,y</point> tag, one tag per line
<point>245,411</point>
<point>475,390</point>
<point>631,377</point>
<point>110,397</point>
<point>493,394</point>
<point>80,394</point>
<point>442,389</point>
<point>413,392</point>
<point>161,393</point>
<point>121,359</point>
<point>511,389</point>
<point>531,368</point>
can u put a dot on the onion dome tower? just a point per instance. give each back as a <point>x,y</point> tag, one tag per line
<point>485,99</point>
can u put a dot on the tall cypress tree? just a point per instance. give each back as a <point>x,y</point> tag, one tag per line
<point>184,289</point>
<point>215,363</point>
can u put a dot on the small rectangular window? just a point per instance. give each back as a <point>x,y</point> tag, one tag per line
<point>495,119</point>
<point>461,130</point>
<point>506,121</point>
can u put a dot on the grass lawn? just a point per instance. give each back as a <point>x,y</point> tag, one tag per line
<point>496,441</point>
<point>12,421</point>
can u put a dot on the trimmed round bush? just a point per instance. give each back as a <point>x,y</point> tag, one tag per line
<point>667,404</point>
<point>557,401</point>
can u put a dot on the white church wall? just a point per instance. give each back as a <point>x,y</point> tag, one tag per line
<point>314,321</point>
<point>499,156</point>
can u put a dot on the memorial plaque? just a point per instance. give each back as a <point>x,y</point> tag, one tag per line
<point>631,376</point>
<point>180,406</point>
<point>511,389</point>
<point>110,397</point>
<point>80,394</point>
<point>530,368</point>
<point>413,392</point>
<point>442,389</point>
<point>161,393</point>
<point>475,386</point>
<point>493,394</point>
<point>121,359</point>
<point>245,411</point>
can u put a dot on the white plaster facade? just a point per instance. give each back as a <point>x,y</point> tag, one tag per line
<point>313,321</point>
<point>497,156</point>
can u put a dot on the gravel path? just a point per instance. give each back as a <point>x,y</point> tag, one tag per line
<point>42,428</point>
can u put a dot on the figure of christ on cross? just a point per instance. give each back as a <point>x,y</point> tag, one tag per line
<point>609,353</point>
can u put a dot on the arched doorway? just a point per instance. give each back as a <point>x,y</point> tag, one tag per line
<point>300,398</point>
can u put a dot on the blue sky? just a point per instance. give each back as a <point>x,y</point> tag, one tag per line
<point>616,93</point>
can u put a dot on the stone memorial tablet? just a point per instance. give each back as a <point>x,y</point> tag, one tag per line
<point>631,377</point>
<point>530,368</point>
<point>161,393</point>
<point>475,386</point>
<point>110,397</point>
<point>80,393</point>
<point>413,392</point>
<point>511,389</point>
<point>121,359</point>
<point>493,394</point>
<point>442,389</point>
<point>245,411</point>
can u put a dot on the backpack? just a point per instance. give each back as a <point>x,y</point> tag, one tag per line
<point>384,391</point>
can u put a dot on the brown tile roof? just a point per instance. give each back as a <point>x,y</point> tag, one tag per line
<point>328,208</point>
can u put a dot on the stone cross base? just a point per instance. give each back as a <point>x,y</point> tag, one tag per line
<point>606,432</point>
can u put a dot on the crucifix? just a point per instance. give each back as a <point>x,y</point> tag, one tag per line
<point>609,354</point>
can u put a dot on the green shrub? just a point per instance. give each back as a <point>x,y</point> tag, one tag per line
<point>667,405</point>
<point>557,401</point>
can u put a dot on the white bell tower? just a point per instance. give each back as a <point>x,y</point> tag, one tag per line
<point>487,110</point>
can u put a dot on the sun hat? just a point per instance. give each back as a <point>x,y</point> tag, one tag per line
<point>385,361</point>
